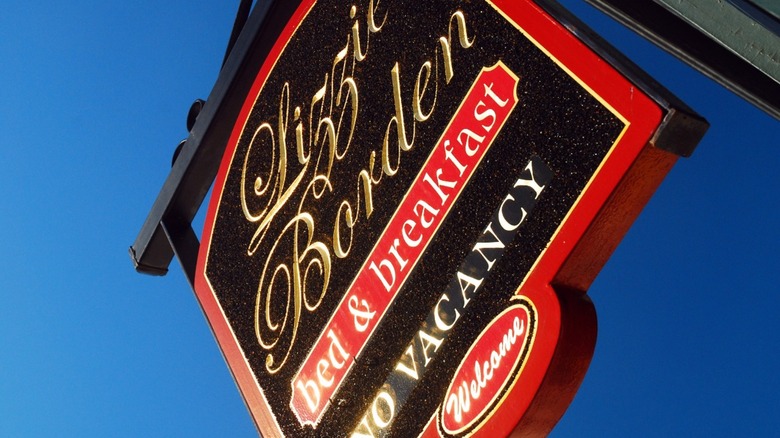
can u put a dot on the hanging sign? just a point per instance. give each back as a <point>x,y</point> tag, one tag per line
<point>411,208</point>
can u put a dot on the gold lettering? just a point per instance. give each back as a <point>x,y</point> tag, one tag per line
<point>329,136</point>
<point>367,181</point>
<point>446,43</point>
<point>318,98</point>
<point>419,94</point>
<point>352,93</point>
<point>340,59</point>
<point>298,254</point>
<point>372,26</point>
<point>338,249</point>
<point>358,53</point>
<point>292,276</point>
<point>259,185</point>
<point>302,157</point>
<point>404,144</point>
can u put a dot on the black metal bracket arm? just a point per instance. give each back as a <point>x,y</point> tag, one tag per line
<point>167,230</point>
<point>708,54</point>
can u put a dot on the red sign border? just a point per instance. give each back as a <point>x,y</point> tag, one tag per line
<point>627,178</point>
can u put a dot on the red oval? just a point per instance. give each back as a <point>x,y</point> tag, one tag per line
<point>490,366</point>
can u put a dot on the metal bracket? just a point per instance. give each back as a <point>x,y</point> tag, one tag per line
<point>696,42</point>
<point>167,229</point>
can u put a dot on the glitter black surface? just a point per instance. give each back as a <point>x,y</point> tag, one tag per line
<point>556,119</point>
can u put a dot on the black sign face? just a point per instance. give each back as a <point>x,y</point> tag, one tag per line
<point>385,251</point>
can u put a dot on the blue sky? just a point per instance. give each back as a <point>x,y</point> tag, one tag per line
<point>93,101</point>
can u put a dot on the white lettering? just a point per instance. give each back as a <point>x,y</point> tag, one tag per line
<point>459,401</point>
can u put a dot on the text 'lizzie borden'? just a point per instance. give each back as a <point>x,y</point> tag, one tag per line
<point>281,198</point>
